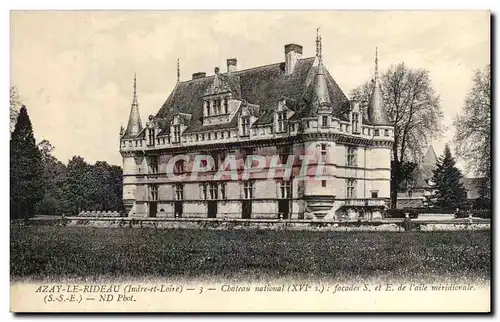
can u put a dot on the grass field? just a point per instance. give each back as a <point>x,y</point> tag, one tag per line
<point>52,253</point>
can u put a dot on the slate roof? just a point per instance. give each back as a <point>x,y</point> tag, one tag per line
<point>263,86</point>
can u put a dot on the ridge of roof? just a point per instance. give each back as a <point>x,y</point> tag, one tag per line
<point>235,73</point>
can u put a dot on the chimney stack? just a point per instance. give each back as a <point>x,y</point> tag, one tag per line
<point>232,65</point>
<point>293,53</point>
<point>199,75</point>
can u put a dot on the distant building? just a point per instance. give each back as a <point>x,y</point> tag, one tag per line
<point>290,108</point>
<point>473,188</point>
<point>420,191</point>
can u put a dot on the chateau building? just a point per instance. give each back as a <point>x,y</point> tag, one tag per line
<point>290,116</point>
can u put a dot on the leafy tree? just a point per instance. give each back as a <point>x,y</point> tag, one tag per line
<point>92,187</point>
<point>447,179</point>
<point>473,128</point>
<point>76,184</point>
<point>414,110</point>
<point>54,173</point>
<point>26,169</point>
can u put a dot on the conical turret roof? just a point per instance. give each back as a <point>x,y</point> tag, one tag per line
<point>134,125</point>
<point>376,110</point>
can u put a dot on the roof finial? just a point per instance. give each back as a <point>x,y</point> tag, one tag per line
<point>178,70</point>
<point>134,99</point>
<point>318,44</point>
<point>376,64</point>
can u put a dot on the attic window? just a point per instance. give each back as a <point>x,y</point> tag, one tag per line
<point>177,133</point>
<point>281,125</point>
<point>324,121</point>
<point>245,126</point>
<point>355,122</point>
<point>151,136</point>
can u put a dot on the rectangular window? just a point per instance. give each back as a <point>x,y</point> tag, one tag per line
<point>245,126</point>
<point>219,107</point>
<point>350,188</point>
<point>374,194</point>
<point>226,105</point>
<point>204,191</point>
<point>281,126</point>
<point>215,135</point>
<point>292,127</point>
<point>153,192</point>
<point>284,152</point>
<point>207,106</point>
<point>324,147</point>
<point>197,138</point>
<point>179,192</point>
<point>323,183</point>
<point>213,191</point>
<point>177,133</point>
<point>223,190</point>
<point>248,189</point>
<point>285,189</point>
<point>151,136</point>
<point>324,121</point>
<point>351,156</point>
<point>376,132</point>
<point>153,164</point>
<point>386,132</point>
<point>355,123</point>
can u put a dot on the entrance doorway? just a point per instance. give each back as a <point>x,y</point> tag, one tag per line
<point>284,208</point>
<point>178,209</point>
<point>246,209</point>
<point>153,208</point>
<point>212,209</point>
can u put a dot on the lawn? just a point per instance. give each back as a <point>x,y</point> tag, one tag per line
<point>51,253</point>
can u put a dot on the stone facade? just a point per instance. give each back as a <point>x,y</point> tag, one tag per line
<point>287,117</point>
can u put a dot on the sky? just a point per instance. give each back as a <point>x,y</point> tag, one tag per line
<point>74,69</point>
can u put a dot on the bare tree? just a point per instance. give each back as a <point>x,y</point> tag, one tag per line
<point>15,106</point>
<point>473,126</point>
<point>414,110</point>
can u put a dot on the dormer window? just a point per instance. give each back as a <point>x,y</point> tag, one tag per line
<point>177,133</point>
<point>151,136</point>
<point>324,121</point>
<point>245,126</point>
<point>281,125</point>
<point>355,122</point>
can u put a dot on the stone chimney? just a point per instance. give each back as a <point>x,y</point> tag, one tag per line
<point>293,53</point>
<point>232,65</point>
<point>199,75</point>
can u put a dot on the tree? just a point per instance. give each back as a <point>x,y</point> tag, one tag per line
<point>26,169</point>
<point>473,127</point>
<point>414,110</point>
<point>447,180</point>
<point>15,105</point>
<point>54,174</point>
